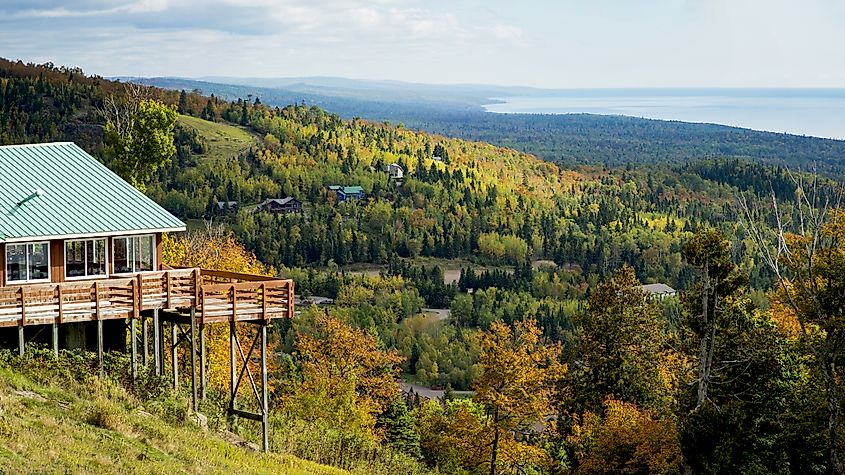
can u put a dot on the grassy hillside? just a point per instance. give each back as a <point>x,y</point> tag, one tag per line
<point>223,141</point>
<point>52,422</point>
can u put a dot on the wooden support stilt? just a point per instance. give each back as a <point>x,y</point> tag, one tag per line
<point>21,341</point>
<point>264,397</point>
<point>145,343</point>
<point>174,355</point>
<point>133,332</point>
<point>194,358</point>
<point>203,380</point>
<point>158,344</point>
<point>100,347</point>
<point>56,340</point>
<point>232,348</point>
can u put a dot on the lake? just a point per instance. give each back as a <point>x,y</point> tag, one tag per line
<point>816,112</point>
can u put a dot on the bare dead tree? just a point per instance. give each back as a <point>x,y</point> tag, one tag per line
<point>797,253</point>
<point>121,111</point>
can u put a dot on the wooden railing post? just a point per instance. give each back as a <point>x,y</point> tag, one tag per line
<point>264,301</point>
<point>61,303</point>
<point>23,306</point>
<point>290,298</point>
<point>140,292</point>
<point>234,294</point>
<point>167,277</point>
<point>197,285</point>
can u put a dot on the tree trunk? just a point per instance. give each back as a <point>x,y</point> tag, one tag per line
<point>706,347</point>
<point>495,442</point>
<point>832,396</point>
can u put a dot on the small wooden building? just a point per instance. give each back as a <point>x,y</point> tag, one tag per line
<point>658,291</point>
<point>345,193</point>
<point>227,207</point>
<point>287,205</point>
<point>395,171</point>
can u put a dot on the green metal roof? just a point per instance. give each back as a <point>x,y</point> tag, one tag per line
<point>57,190</point>
<point>347,190</point>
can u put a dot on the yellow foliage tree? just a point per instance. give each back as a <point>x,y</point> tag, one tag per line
<point>517,384</point>
<point>346,379</point>
<point>214,249</point>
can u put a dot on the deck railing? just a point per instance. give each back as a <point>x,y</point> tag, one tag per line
<point>242,297</point>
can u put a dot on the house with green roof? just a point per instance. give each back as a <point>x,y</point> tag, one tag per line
<point>345,193</point>
<point>64,216</point>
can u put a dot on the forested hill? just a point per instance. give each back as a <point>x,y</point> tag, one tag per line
<point>569,139</point>
<point>459,199</point>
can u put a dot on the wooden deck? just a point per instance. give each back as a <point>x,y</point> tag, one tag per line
<point>214,295</point>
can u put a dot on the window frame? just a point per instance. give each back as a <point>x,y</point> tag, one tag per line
<point>134,264</point>
<point>85,252</point>
<point>27,280</point>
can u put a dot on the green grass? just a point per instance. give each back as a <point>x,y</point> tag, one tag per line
<point>96,426</point>
<point>224,140</point>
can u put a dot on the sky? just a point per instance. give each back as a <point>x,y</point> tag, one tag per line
<point>548,43</point>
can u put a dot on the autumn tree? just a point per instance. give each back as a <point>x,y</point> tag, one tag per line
<point>517,384</point>
<point>346,378</point>
<point>215,248</point>
<point>138,135</point>
<point>807,256</point>
<point>625,440</point>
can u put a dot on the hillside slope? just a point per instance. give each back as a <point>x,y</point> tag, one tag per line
<point>571,139</point>
<point>222,141</point>
<point>52,423</point>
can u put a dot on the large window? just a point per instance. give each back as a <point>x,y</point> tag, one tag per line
<point>29,262</point>
<point>133,254</point>
<point>85,258</point>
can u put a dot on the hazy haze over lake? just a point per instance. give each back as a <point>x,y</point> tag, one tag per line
<point>817,112</point>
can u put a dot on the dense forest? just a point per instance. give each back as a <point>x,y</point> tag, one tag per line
<point>574,367</point>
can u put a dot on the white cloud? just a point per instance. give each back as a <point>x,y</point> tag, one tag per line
<point>602,43</point>
<point>506,32</point>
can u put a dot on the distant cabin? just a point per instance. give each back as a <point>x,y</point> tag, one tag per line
<point>287,205</point>
<point>660,291</point>
<point>395,171</point>
<point>345,193</point>
<point>227,206</point>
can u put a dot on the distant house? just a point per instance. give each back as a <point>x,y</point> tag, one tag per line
<point>660,291</point>
<point>437,158</point>
<point>227,206</point>
<point>395,171</point>
<point>281,205</point>
<point>345,193</point>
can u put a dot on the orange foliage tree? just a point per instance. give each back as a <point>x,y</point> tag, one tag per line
<point>624,440</point>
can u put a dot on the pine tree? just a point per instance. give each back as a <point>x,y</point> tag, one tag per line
<point>400,430</point>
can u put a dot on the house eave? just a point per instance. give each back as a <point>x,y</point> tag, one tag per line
<point>129,232</point>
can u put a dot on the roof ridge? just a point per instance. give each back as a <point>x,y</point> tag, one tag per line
<point>44,144</point>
